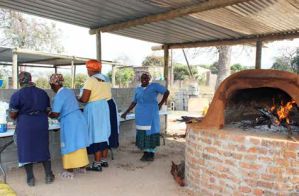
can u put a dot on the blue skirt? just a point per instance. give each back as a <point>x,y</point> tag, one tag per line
<point>113,139</point>
<point>96,147</point>
<point>32,138</point>
<point>98,120</point>
<point>73,132</point>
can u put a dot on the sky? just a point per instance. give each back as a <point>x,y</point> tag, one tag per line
<point>78,42</point>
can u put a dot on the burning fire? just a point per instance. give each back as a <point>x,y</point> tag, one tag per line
<point>283,111</point>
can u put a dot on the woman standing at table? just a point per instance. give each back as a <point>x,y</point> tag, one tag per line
<point>28,106</point>
<point>73,131</point>
<point>96,93</point>
<point>147,115</point>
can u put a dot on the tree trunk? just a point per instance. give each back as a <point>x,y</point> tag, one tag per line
<point>223,63</point>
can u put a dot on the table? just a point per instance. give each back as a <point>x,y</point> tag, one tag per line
<point>10,133</point>
<point>53,127</point>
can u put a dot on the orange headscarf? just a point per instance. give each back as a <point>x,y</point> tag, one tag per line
<point>94,65</point>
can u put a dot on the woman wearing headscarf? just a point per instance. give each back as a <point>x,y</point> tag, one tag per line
<point>73,127</point>
<point>29,107</point>
<point>147,115</point>
<point>97,94</point>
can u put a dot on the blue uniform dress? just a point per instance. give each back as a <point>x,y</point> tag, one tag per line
<point>114,119</point>
<point>73,126</point>
<point>31,103</point>
<point>147,116</point>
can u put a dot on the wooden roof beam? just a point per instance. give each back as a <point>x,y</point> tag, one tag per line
<point>200,7</point>
<point>237,41</point>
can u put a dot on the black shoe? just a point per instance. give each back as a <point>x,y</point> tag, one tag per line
<point>150,157</point>
<point>104,164</point>
<point>31,181</point>
<point>144,157</point>
<point>94,167</point>
<point>50,178</point>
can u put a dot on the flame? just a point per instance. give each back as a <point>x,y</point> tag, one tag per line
<point>283,111</point>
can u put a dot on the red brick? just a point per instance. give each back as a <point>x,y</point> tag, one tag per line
<point>217,143</point>
<point>289,155</point>
<point>250,166</point>
<point>221,168</point>
<point>292,146</point>
<point>207,141</point>
<point>292,171</point>
<point>250,174</point>
<point>251,182</point>
<point>238,138</point>
<point>258,192</point>
<point>265,159</point>
<point>257,150</point>
<point>230,162</point>
<point>275,170</point>
<point>237,156</point>
<point>282,162</point>
<point>244,189</point>
<point>255,141</point>
<point>250,157</point>
<point>264,184</point>
<point>212,150</point>
<point>267,177</point>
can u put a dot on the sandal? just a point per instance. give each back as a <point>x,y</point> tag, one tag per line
<point>67,175</point>
<point>80,170</point>
<point>104,163</point>
<point>94,167</point>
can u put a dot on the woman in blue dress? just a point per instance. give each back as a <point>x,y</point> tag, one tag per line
<point>29,107</point>
<point>73,127</point>
<point>147,115</point>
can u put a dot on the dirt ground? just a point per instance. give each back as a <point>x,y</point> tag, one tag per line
<point>126,175</point>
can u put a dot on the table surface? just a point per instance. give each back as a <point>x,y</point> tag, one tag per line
<point>131,116</point>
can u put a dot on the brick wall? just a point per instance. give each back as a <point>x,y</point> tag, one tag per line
<point>232,162</point>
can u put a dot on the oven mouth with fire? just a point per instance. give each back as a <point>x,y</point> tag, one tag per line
<point>262,109</point>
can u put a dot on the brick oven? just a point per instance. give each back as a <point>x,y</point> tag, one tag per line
<point>223,158</point>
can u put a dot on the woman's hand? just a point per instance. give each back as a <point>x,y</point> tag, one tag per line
<point>124,115</point>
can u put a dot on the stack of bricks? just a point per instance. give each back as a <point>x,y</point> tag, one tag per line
<point>232,162</point>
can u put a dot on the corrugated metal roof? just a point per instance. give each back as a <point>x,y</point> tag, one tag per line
<point>28,57</point>
<point>254,17</point>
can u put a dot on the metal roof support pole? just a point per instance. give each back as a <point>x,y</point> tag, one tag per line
<point>258,55</point>
<point>55,69</point>
<point>113,75</point>
<point>14,70</point>
<point>171,76</point>
<point>73,74</point>
<point>166,62</point>
<point>99,46</point>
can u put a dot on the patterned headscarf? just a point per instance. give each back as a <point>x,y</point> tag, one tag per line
<point>94,65</point>
<point>56,79</point>
<point>25,78</point>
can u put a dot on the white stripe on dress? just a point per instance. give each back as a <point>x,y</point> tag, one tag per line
<point>145,128</point>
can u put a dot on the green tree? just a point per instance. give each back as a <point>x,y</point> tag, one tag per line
<point>80,79</point>
<point>181,72</point>
<point>236,68</point>
<point>282,64</point>
<point>42,83</point>
<point>17,30</point>
<point>213,67</point>
<point>153,61</point>
<point>123,76</point>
